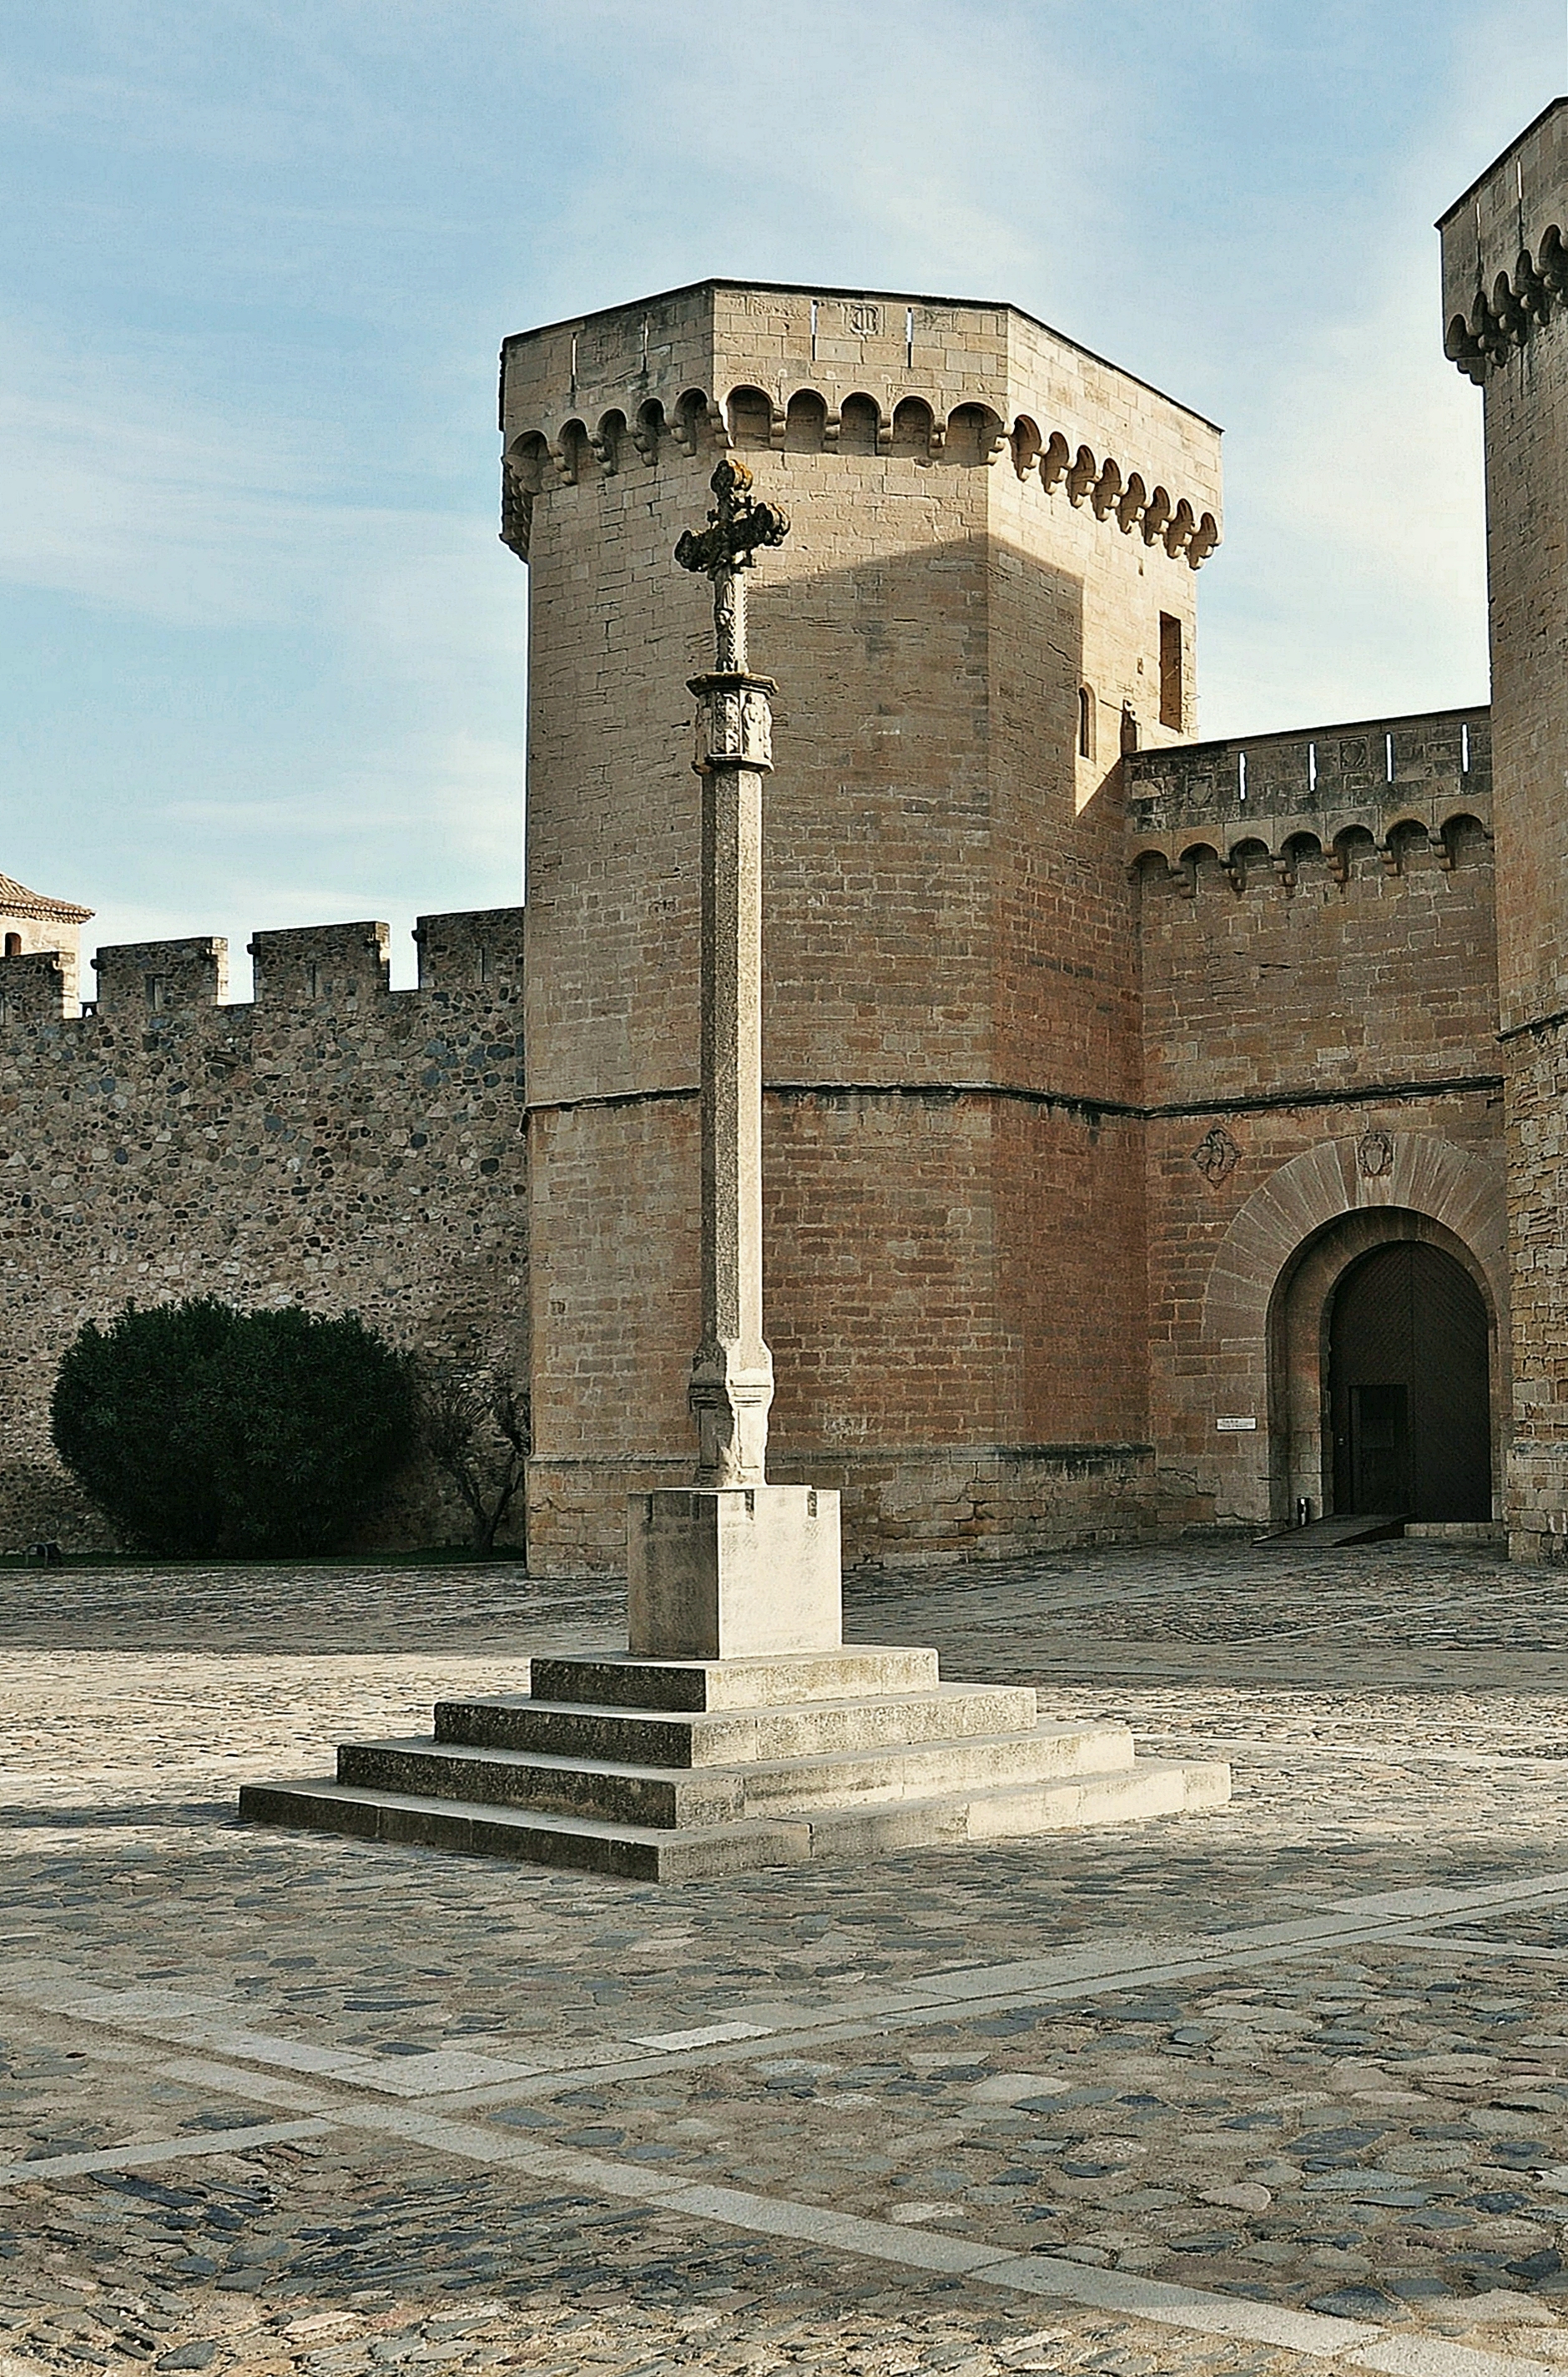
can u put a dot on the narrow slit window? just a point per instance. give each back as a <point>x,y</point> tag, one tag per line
<point>1085,723</point>
<point>1240,775</point>
<point>1465,749</point>
<point>1172,707</point>
<point>1388,755</point>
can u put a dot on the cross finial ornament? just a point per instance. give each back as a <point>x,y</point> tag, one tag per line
<point>737,525</point>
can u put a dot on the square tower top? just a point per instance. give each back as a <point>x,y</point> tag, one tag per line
<point>1503,257</point>
<point>685,360</point>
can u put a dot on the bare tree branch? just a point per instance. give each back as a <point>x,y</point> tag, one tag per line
<point>476,1424</point>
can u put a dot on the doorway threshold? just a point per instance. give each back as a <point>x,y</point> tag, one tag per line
<point>1327,1534</point>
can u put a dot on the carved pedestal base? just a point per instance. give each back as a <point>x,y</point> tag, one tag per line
<point>732,1572</point>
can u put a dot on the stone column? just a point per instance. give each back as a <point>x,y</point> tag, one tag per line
<point>734,1566</point>
<point>731,1385</point>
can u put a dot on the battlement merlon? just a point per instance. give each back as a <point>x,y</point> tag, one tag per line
<point>37,986</point>
<point>1268,791</point>
<point>475,950</point>
<point>720,362</point>
<point>473,955</point>
<point>1504,257</point>
<point>157,975</point>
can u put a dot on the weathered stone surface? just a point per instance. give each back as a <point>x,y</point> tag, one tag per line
<point>733,1573</point>
<point>336,1143</point>
<point>850,1671</point>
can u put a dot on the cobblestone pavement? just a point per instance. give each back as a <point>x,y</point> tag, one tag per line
<point>1275,2088</point>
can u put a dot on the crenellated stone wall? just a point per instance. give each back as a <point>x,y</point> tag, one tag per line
<point>1093,1056</point>
<point>336,1143</point>
<point>1319,1005</point>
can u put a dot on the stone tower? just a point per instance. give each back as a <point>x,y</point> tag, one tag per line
<point>1506,309</point>
<point>34,925</point>
<point>987,597</point>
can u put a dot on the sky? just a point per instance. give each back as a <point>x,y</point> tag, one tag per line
<point>261,659</point>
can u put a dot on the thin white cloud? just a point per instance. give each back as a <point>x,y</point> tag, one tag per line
<point>1353,580</point>
<point>131,493</point>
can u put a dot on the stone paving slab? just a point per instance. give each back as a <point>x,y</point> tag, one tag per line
<point>1296,2071</point>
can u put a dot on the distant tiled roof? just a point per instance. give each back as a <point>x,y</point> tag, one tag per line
<point>16,900</point>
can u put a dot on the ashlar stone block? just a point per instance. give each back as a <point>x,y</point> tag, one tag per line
<point>733,1573</point>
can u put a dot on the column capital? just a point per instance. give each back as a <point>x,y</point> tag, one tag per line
<point>734,720</point>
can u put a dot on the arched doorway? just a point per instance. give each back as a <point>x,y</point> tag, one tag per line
<point>1409,1402</point>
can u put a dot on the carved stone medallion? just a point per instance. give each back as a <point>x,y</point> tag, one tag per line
<point>1216,1154</point>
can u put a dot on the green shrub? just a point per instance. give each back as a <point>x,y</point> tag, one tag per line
<point>197,1428</point>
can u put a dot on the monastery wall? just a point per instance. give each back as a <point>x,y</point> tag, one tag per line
<point>1320,1065</point>
<point>335,1144</point>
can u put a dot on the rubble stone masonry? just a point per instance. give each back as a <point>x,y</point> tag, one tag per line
<point>335,1144</point>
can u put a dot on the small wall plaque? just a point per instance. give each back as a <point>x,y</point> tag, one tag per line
<point>1235,1426</point>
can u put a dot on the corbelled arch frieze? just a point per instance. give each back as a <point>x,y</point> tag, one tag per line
<point>803,418</point>
<point>1275,857</point>
<point>1503,315</point>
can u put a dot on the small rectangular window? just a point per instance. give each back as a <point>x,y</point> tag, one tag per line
<point>1172,707</point>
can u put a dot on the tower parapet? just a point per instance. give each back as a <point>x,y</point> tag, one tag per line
<point>764,366</point>
<point>1264,795</point>
<point>1505,249</point>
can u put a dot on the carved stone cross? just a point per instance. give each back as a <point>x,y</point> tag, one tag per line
<point>736,526</point>
<point>732,1382</point>
<point>731,1567</point>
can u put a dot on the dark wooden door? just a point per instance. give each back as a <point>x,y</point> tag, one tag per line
<point>1408,1387</point>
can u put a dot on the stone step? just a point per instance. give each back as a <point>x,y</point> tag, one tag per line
<point>636,1852</point>
<point>681,1797</point>
<point>630,1737</point>
<point>1148,1789</point>
<point>858,1671</point>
